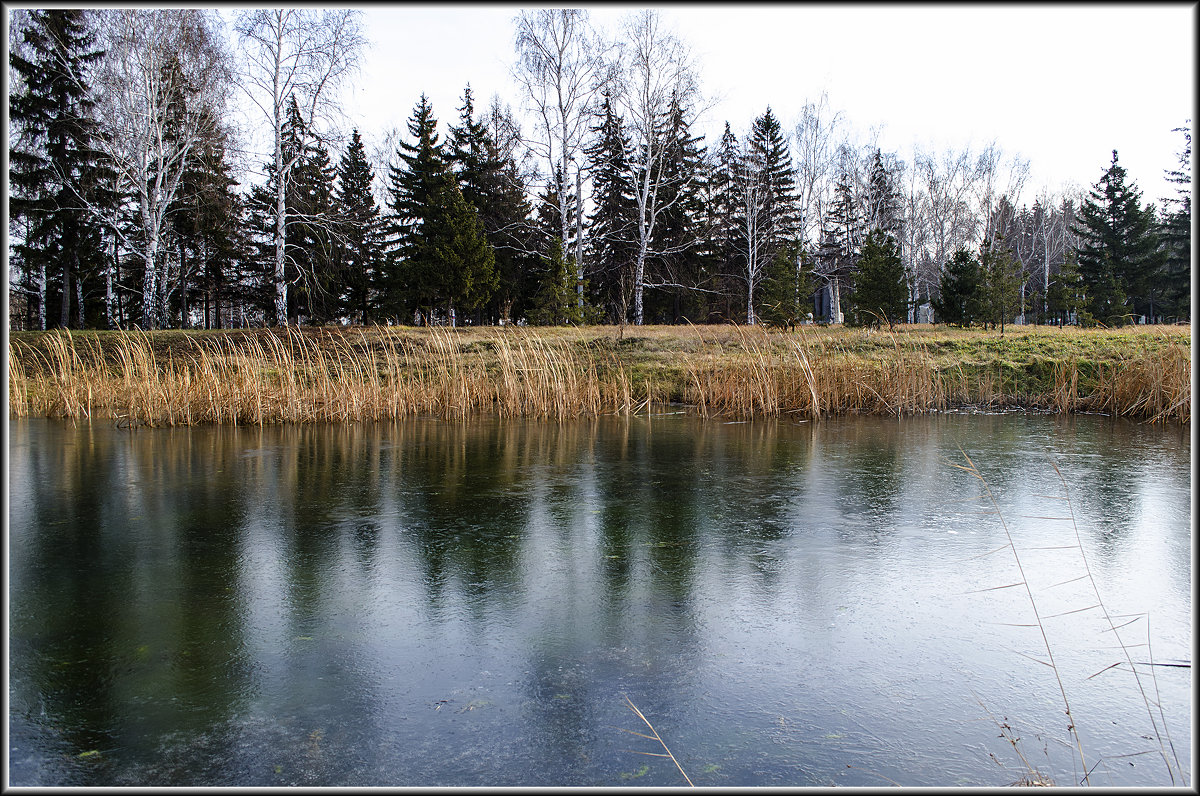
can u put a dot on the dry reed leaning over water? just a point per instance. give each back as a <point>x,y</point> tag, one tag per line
<point>323,375</point>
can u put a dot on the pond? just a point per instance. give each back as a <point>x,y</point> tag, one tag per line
<point>430,603</point>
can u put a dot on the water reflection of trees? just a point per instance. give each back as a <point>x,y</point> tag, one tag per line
<point>120,592</point>
<point>871,477</point>
<point>465,494</point>
<point>148,566</point>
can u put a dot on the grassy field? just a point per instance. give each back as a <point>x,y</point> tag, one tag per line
<point>325,374</point>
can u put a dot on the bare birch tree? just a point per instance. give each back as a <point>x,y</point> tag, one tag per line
<point>947,184</point>
<point>302,54</point>
<point>1054,233</point>
<point>752,192</point>
<point>654,69</point>
<point>914,240</point>
<point>560,70</point>
<point>162,70</point>
<point>997,176</point>
<point>816,154</point>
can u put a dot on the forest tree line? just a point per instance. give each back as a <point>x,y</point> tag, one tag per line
<point>129,205</point>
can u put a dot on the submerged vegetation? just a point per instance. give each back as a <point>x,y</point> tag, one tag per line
<point>377,373</point>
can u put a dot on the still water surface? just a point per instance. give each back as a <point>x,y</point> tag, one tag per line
<point>431,603</point>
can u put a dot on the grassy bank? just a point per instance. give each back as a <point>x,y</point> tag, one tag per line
<point>268,376</point>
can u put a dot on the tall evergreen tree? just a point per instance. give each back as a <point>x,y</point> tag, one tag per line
<point>205,221</point>
<point>422,172</point>
<point>773,156</point>
<point>490,182</point>
<point>360,248</point>
<point>1000,283</point>
<point>552,285</point>
<point>880,287</point>
<point>54,164</point>
<point>611,248</point>
<point>677,233</point>
<point>308,236</point>
<point>1177,238</point>
<point>442,257</point>
<point>259,269</point>
<point>958,301</point>
<point>722,223</point>
<point>1119,257</point>
<point>884,209</point>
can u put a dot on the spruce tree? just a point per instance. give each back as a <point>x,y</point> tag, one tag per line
<point>770,150</point>
<point>1119,257</point>
<point>880,286</point>
<point>1064,295</point>
<point>1176,237</point>
<point>308,208</point>
<point>553,298</point>
<point>205,220</point>
<point>677,231</point>
<point>311,236</point>
<point>360,251</point>
<point>442,257</point>
<point>959,291</point>
<point>611,248</point>
<point>999,294</point>
<point>554,303</point>
<point>884,210</point>
<point>422,170</point>
<point>722,230</point>
<point>785,290</point>
<point>55,168</point>
<point>491,183</point>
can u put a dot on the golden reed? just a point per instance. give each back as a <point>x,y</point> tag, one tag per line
<point>292,376</point>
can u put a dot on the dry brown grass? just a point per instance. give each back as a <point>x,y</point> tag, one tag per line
<point>330,375</point>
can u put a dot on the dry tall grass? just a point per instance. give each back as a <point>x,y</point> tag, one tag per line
<point>304,376</point>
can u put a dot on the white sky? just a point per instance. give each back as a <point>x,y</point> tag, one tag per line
<point>1060,85</point>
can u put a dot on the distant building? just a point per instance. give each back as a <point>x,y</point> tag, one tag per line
<point>823,309</point>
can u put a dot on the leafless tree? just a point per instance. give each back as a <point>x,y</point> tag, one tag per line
<point>947,183</point>
<point>163,70</point>
<point>302,54</point>
<point>816,136</point>
<point>1053,231</point>
<point>653,71</point>
<point>560,70</point>
<point>914,240</point>
<point>996,176</point>
<point>751,191</point>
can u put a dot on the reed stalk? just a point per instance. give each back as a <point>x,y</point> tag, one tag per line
<point>655,737</point>
<point>299,376</point>
<point>1166,748</point>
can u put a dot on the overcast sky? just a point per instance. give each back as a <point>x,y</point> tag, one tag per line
<point>1060,85</point>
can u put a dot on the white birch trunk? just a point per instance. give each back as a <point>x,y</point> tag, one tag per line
<point>750,319</point>
<point>109,298</point>
<point>639,274</point>
<point>78,300</point>
<point>281,318</point>
<point>579,235</point>
<point>150,276</point>
<point>41,295</point>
